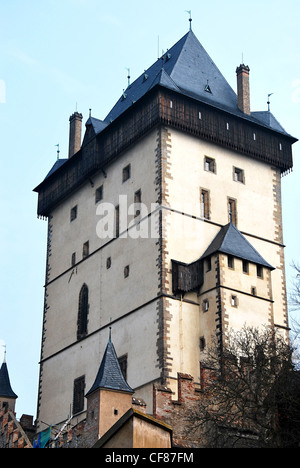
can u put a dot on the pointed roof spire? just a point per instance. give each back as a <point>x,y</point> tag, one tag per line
<point>5,388</point>
<point>109,374</point>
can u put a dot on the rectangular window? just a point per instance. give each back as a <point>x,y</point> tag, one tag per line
<point>137,200</point>
<point>73,213</point>
<point>73,260</point>
<point>209,164</point>
<point>259,271</point>
<point>99,194</point>
<point>245,267</point>
<point>205,305</point>
<point>78,394</point>
<point>232,211</point>
<point>85,249</point>
<point>238,175</point>
<point>126,173</point>
<point>234,301</point>
<point>204,204</point>
<point>202,343</point>
<point>126,271</point>
<point>230,260</point>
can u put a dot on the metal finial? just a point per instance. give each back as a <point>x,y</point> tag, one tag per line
<point>190,19</point>
<point>269,101</point>
<point>110,329</point>
<point>128,77</point>
<point>57,151</point>
<point>90,112</point>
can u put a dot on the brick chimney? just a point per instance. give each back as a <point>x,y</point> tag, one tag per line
<point>243,88</point>
<point>75,133</point>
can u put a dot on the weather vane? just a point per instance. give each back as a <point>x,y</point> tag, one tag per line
<point>269,95</point>
<point>57,151</point>
<point>190,20</point>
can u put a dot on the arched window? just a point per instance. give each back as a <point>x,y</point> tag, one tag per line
<point>83,308</point>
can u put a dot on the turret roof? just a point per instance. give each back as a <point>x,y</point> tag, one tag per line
<point>109,374</point>
<point>5,387</point>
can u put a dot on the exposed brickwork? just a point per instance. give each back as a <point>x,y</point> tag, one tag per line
<point>12,435</point>
<point>174,412</point>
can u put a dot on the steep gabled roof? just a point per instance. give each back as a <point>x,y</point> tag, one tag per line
<point>109,374</point>
<point>186,68</point>
<point>5,387</point>
<point>231,241</point>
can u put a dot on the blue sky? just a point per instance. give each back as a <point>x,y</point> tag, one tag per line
<point>59,55</point>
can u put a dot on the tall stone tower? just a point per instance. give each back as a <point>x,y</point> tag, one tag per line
<point>164,224</point>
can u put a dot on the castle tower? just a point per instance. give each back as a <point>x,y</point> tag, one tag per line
<point>165,223</point>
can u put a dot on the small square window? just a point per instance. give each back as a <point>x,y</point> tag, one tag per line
<point>238,175</point>
<point>99,194</point>
<point>126,173</point>
<point>126,271</point>
<point>73,213</point>
<point>209,164</point>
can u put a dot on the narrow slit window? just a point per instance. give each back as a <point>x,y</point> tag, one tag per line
<point>126,173</point>
<point>73,213</point>
<point>137,202</point>
<point>259,271</point>
<point>245,267</point>
<point>99,194</point>
<point>205,305</point>
<point>204,204</point>
<point>85,249</point>
<point>232,211</point>
<point>117,221</point>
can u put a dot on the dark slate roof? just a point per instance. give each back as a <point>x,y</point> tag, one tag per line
<point>98,125</point>
<point>267,118</point>
<point>188,69</point>
<point>231,241</point>
<point>57,165</point>
<point>5,387</point>
<point>110,375</point>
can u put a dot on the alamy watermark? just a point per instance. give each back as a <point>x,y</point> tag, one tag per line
<point>137,221</point>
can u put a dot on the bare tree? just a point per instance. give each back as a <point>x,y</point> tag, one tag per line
<point>250,394</point>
